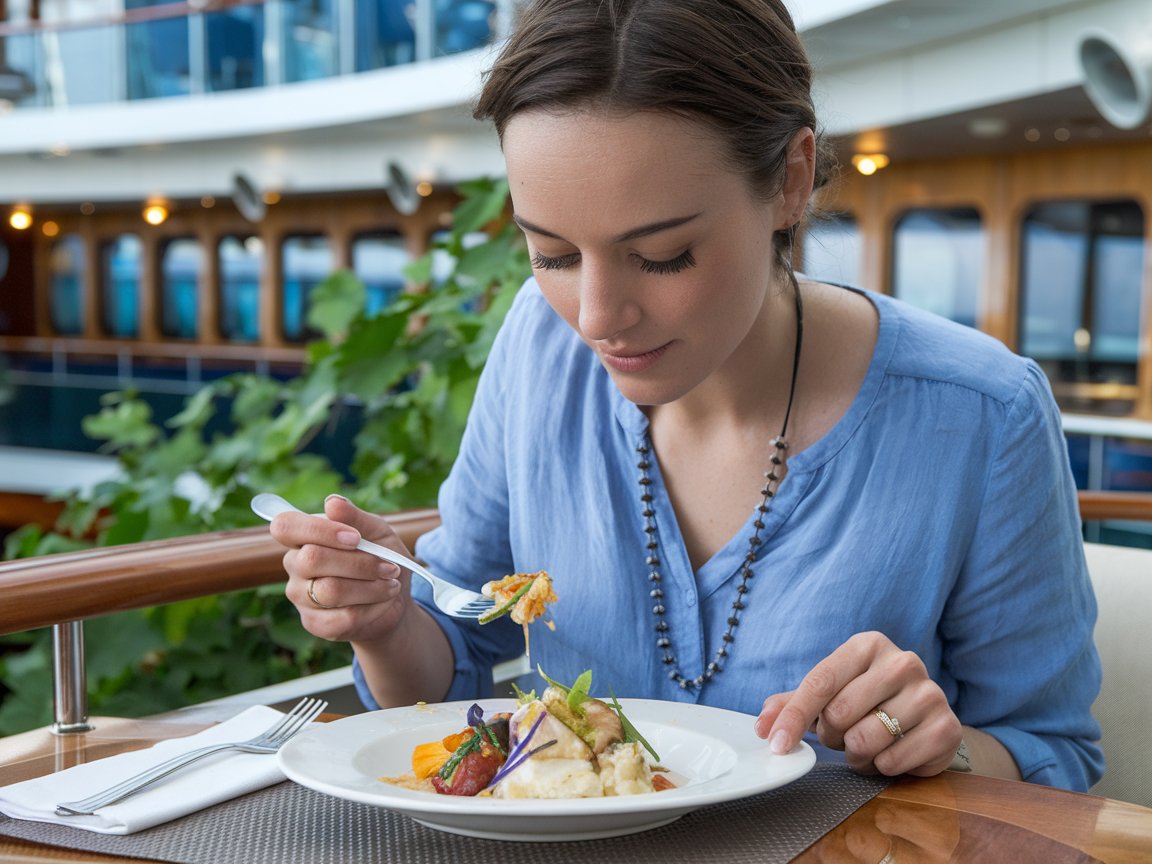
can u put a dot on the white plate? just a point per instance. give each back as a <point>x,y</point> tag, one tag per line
<point>716,750</point>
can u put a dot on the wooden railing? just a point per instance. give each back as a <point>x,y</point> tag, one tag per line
<point>64,589</point>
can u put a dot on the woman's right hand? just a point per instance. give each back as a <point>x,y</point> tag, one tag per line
<point>342,594</point>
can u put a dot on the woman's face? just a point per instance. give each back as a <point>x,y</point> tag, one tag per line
<point>647,244</point>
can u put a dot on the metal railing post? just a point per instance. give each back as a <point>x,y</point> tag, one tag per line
<point>69,683</point>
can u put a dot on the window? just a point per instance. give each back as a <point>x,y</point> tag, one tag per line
<point>830,249</point>
<point>937,259</point>
<point>241,260</point>
<point>67,262</point>
<point>235,38</point>
<point>1081,269</point>
<point>120,286</point>
<point>306,261</point>
<point>379,260</point>
<point>463,24</point>
<point>309,40</point>
<point>157,55</point>
<point>181,262</point>
<point>384,34</point>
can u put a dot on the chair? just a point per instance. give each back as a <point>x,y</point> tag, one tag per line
<point>1122,579</point>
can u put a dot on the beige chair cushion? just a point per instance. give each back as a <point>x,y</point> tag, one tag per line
<point>1122,578</point>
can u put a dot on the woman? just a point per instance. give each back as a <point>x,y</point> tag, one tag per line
<point>792,499</point>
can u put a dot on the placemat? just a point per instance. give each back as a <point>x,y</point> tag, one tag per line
<point>288,823</point>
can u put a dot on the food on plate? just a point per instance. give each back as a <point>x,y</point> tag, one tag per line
<point>523,596</point>
<point>565,744</point>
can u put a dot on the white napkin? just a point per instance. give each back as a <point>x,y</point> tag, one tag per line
<point>202,784</point>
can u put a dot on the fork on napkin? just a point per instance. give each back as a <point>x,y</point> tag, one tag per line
<point>217,778</point>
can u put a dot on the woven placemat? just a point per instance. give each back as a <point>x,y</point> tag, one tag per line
<point>288,823</point>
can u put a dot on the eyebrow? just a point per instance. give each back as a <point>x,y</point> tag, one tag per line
<point>632,234</point>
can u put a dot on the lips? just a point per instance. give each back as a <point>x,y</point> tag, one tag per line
<point>625,361</point>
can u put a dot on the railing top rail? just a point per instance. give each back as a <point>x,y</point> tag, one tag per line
<point>69,586</point>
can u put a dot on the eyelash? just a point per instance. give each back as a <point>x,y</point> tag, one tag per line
<point>661,268</point>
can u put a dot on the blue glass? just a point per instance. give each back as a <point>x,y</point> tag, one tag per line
<point>235,39</point>
<point>384,34</point>
<point>379,261</point>
<point>181,264</point>
<point>120,286</point>
<point>310,40</point>
<point>158,58</point>
<point>938,261</point>
<point>306,262</point>
<point>462,25</point>
<point>67,263</point>
<point>241,259</point>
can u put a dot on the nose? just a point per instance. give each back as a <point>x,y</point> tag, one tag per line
<point>607,306</point>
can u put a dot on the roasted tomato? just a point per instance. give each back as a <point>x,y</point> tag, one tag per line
<point>473,774</point>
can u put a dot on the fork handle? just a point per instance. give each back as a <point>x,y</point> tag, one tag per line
<point>89,805</point>
<point>396,558</point>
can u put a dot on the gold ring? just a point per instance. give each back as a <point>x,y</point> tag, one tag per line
<point>312,596</point>
<point>890,723</point>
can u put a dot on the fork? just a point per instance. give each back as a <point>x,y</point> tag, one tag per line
<point>451,599</point>
<point>269,741</point>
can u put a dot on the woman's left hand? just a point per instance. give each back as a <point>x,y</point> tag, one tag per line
<point>845,698</point>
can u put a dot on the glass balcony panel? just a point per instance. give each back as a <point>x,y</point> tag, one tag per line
<point>462,25</point>
<point>384,34</point>
<point>235,48</point>
<point>310,40</point>
<point>21,70</point>
<point>158,58</point>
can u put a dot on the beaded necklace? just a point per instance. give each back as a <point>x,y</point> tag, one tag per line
<point>652,559</point>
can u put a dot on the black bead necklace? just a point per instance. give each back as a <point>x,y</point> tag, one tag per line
<point>652,559</point>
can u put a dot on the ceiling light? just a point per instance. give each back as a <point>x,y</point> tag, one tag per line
<point>869,163</point>
<point>20,218</point>
<point>155,214</point>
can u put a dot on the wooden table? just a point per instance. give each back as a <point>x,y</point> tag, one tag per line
<point>952,817</point>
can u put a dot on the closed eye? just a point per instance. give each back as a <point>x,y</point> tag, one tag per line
<point>560,262</point>
<point>673,265</point>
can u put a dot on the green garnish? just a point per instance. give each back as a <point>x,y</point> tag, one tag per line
<point>500,611</point>
<point>577,693</point>
<point>449,767</point>
<point>631,733</point>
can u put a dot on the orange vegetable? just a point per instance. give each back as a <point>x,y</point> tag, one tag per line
<point>453,742</point>
<point>428,758</point>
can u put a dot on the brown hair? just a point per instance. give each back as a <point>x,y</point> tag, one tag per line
<point>736,65</point>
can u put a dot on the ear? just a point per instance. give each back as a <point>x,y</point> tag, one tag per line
<point>799,174</point>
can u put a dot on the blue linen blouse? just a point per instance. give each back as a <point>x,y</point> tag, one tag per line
<point>940,511</point>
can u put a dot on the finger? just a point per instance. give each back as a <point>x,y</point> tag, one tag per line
<point>314,561</point>
<point>297,529</point>
<point>328,593</point>
<point>816,690</point>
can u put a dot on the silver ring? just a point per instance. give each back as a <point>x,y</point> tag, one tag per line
<point>312,596</point>
<point>890,723</point>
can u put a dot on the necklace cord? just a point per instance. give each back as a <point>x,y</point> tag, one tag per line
<point>652,558</point>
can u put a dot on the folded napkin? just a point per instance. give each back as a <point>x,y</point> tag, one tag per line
<point>202,784</point>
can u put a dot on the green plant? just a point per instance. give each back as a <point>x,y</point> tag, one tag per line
<point>405,376</point>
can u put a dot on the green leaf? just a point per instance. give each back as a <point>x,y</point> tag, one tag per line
<point>335,303</point>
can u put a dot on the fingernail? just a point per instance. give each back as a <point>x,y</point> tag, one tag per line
<point>348,538</point>
<point>779,743</point>
<point>337,497</point>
